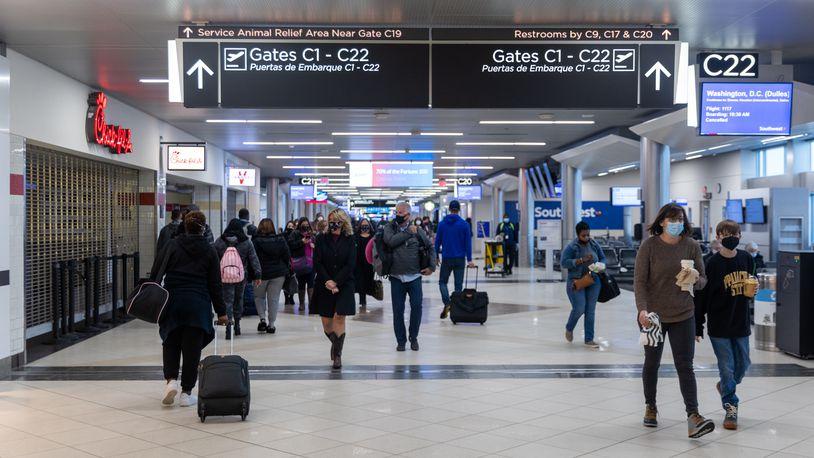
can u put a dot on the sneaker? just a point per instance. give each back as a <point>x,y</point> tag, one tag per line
<point>651,415</point>
<point>591,344</point>
<point>731,417</point>
<point>271,329</point>
<point>170,392</point>
<point>188,400</point>
<point>262,326</point>
<point>698,426</point>
<point>401,347</point>
<point>414,344</point>
<point>445,312</point>
<point>569,336</point>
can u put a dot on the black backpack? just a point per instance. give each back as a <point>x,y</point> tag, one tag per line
<point>383,256</point>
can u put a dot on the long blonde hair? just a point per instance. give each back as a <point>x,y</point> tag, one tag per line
<point>340,214</point>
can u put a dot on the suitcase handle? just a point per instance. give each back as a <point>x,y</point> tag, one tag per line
<point>466,276</point>
<point>231,341</point>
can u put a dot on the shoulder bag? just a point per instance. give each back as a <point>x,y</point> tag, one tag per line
<point>149,299</point>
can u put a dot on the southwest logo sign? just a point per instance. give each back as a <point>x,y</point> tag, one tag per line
<point>117,139</point>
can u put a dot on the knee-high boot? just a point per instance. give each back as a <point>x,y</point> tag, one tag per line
<point>340,342</point>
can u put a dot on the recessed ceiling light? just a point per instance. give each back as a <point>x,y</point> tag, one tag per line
<point>371,134</point>
<point>500,143</point>
<point>264,121</point>
<point>391,151</point>
<point>464,167</point>
<point>540,122</point>
<point>693,157</point>
<point>154,80</point>
<point>619,169</point>
<point>287,143</point>
<point>601,174</point>
<point>719,146</point>
<point>304,157</point>
<point>320,174</point>
<point>690,153</point>
<point>302,167</point>
<point>497,158</point>
<point>442,134</point>
<point>781,139</point>
<point>457,174</point>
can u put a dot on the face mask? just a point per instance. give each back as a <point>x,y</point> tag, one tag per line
<point>334,225</point>
<point>754,254</point>
<point>305,229</point>
<point>365,228</point>
<point>505,220</point>
<point>400,219</point>
<point>319,219</point>
<point>731,242</point>
<point>675,228</point>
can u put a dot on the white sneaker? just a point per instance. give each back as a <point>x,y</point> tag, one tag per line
<point>188,400</point>
<point>170,391</point>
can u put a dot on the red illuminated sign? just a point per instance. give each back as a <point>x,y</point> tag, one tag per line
<point>117,139</point>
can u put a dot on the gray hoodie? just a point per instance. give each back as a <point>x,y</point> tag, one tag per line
<point>405,246</point>
<point>251,263</point>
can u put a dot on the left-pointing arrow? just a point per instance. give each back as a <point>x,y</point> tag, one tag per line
<point>200,67</point>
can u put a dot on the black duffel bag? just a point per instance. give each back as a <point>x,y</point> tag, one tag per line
<point>148,299</point>
<point>608,287</point>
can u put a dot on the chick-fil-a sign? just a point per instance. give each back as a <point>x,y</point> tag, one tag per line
<point>117,139</point>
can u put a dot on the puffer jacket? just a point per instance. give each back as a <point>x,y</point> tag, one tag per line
<point>251,264</point>
<point>272,250</point>
<point>405,247</point>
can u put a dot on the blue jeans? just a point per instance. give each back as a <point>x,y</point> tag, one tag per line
<point>455,266</point>
<point>583,302</point>
<point>733,361</point>
<point>398,295</point>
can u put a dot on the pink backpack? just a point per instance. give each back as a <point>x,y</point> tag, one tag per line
<point>231,267</point>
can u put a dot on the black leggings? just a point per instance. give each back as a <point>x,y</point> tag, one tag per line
<point>682,343</point>
<point>186,340</point>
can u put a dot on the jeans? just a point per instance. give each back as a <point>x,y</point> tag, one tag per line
<point>267,298</point>
<point>733,361</point>
<point>233,297</point>
<point>398,295</point>
<point>583,302</point>
<point>186,341</point>
<point>509,256</point>
<point>455,266</point>
<point>682,342</point>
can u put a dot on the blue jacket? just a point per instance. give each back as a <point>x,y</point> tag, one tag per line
<point>574,251</point>
<point>454,238</point>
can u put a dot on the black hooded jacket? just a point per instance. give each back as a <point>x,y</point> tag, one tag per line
<point>272,250</point>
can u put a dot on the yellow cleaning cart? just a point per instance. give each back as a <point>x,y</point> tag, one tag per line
<point>493,254</point>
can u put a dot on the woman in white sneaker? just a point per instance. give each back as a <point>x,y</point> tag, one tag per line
<point>192,278</point>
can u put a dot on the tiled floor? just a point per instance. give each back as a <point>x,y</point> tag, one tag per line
<point>446,417</point>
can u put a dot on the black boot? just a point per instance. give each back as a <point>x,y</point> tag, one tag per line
<point>340,342</point>
<point>237,327</point>
<point>332,338</point>
<point>229,331</point>
<point>262,326</point>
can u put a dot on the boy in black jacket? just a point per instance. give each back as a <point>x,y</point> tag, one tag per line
<point>724,304</point>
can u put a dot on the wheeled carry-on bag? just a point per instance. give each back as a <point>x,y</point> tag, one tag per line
<point>469,305</point>
<point>223,384</point>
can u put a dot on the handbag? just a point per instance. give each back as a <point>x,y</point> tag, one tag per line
<point>304,264</point>
<point>583,282</point>
<point>424,261</point>
<point>609,289</point>
<point>377,290</point>
<point>291,285</point>
<point>148,299</point>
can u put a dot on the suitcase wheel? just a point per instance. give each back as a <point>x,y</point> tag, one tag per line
<point>481,323</point>
<point>244,413</point>
<point>201,413</point>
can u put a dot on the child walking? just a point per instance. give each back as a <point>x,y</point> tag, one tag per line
<point>724,306</point>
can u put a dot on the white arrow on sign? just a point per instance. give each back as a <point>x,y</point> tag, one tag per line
<point>187,32</point>
<point>666,34</point>
<point>200,67</point>
<point>658,69</point>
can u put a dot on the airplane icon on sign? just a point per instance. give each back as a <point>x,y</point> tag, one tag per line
<point>624,60</point>
<point>234,59</point>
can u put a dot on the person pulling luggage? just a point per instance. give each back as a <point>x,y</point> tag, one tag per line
<point>453,243</point>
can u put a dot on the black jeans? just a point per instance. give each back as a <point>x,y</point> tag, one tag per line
<point>682,343</point>
<point>509,255</point>
<point>186,341</point>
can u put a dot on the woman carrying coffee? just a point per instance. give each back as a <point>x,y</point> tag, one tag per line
<point>669,268</point>
<point>582,285</point>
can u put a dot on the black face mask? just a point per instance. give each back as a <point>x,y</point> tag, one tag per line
<point>333,225</point>
<point>400,219</point>
<point>364,229</point>
<point>305,230</point>
<point>731,242</point>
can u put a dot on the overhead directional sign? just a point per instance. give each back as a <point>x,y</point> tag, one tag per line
<point>657,75</point>
<point>728,65</point>
<point>636,34</point>
<point>200,75</point>
<point>294,33</point>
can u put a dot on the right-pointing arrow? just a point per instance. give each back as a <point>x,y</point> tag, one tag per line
<point>201,67</point>
<point>658,69</point>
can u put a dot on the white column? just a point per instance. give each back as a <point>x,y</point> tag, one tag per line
<point>655,177</point>
<point>526,203</point>
<point>571,201</point>
<point>272,209</point>
<point>6,225</point>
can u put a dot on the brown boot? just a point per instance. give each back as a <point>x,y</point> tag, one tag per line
<point>332,338</point>
<point>651,416</point>
<point>339,343</point>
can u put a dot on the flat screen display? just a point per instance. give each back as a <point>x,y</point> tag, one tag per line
<point>755,213</point>
<point>734,210</point>
<point>242,177</point>
<point>186,158</point>
<point>301,192</point>
<point>745,108</point>
<point>390,174</point>
<point>473,192</point>
<point>625,196</point>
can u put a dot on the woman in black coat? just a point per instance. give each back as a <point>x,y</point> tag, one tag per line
<point>301,245</point>
<point>191,273</point>
<point>363,276</point>
<point>334,262</point>
<point>275,262</point>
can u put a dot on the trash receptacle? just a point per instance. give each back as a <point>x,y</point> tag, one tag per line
<point>765,312</point>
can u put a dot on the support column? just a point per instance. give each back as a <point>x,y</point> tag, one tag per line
<point>494,210</point>
<point>655,177</point>
<point>526,235</point>
<point>272,207</point>
<point>571,201</point>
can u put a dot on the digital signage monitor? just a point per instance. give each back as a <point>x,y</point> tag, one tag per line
<point>473,192</point>
<point>745,109</point>
<point>734,210</point>
<point>625,196</point>
<point>755,212</point>
<point>301,192</point>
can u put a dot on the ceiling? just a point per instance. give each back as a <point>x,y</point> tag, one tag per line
<point>110,44</point>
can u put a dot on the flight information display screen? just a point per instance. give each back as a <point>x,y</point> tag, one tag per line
<point>473,192</point>
<point>301,192</point>
<point>734,210</point>
<point>745,108</point>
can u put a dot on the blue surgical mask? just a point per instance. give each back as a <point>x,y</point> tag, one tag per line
<point>675,228</point>
<point>505,220</point>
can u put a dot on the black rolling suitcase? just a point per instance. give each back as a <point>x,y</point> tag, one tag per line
<point>469,305</point>
<point>223,384</point>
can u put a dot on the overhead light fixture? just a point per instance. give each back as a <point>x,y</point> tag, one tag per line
<point>457,174</point>
<point>154,80</point>
<point>719,147</point>
<point>464,167</point>
<point>391,151</point>
<point>302,167</point>
<point>318,174</point>
<point>501,143</point>
<point>690,153</point>
<point>781,139</point>
<point>264,121</point>
<point>442,134</point>
<point>693,157</point>
<point>371,134</point>
<point>287,143</point>
<point>619,169</point>
<point>304,157</point>
<point>494,158</point>
<point>601,174</point>
<point>533,122</point>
